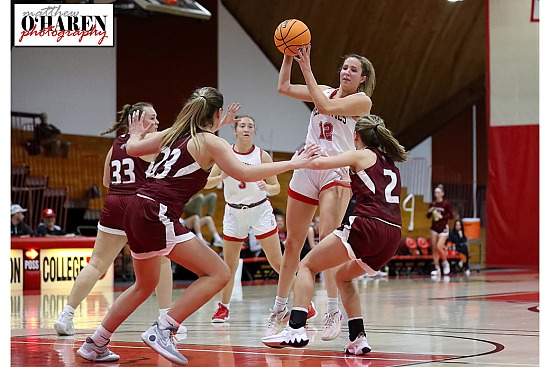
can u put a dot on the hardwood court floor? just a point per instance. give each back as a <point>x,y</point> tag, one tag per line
<point>488,319</point>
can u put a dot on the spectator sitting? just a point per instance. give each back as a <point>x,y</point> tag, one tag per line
<point>195,220</point>
<point>45,136</point>
<point>18,227</point>
<point>194,224</point>
<point>48,227</point>
<point>458,237</point>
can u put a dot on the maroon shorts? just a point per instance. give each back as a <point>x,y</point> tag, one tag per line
<point>111,219</point>
<point>152,229</point>
<point>370,240</point>
<point>440,227</point>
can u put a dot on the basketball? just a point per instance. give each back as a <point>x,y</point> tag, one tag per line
<point>290,35</point>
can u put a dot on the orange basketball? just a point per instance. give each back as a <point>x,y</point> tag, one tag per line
<point>290,35</point>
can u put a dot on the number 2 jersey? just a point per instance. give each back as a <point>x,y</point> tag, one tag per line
<point>377,190</point>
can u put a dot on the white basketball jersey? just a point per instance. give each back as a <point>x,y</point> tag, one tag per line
<point>334,133</point>
<point>238,192</point>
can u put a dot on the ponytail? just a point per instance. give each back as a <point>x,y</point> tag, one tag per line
<point>121,126</point>
<point>373,133</point>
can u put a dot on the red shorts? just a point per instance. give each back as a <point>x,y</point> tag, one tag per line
<point>111,219</point>
<point>370,240</point>
<point>152,229</point>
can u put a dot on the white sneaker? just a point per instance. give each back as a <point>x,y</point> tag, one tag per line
<point>64,324</point>
<point>277,322</point>
<point>359,346</point>
<point>288,337</point>
<point>333,324</point>
<point>163,342</point>
<point>182,329</point>
<point>446,268</point>
<point>467,272</point>
<point>218,242</point>
<point>95,353</point>
<point>436,272</point>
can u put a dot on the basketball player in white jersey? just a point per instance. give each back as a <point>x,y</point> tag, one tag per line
<point>247,208</point>
<point>331,126</point>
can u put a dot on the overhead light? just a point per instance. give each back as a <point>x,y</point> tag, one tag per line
<point>453,1</point>
<point>184,8</point>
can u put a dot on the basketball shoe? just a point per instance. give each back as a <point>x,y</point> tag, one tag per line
<point>64,324</point>
<point>95,353</point>
<point>333,324</point>
<point>277,321</point>
<point>221,315</point>
<point>163,342</point>
<point>288,337</point>
<point>359,346</point>
<point>311,311</point>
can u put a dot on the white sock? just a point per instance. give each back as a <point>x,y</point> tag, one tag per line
<point>217,237</point>
<point>200,236</point>
<point>226,305</point>
<point>101,336</point>
<point>167,321</point>
<point>280,304</point>
<point>332,304</point>
<point>162,313</point>
<point>68,309</point>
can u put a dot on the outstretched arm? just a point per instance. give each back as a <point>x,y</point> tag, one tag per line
<point>220,153</point>
<point>356,159</point>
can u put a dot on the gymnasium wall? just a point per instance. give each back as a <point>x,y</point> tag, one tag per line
<point>513,146</point>
<point>75,86</point>
<point>246,76</point>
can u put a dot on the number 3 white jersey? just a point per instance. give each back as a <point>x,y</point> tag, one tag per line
<point>334,133</point>
<point>238,192</point>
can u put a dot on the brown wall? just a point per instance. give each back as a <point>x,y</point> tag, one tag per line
<point>452,149</point>
<point>162,59</point>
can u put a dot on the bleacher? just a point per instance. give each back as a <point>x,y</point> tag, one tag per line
<point>61,184</point>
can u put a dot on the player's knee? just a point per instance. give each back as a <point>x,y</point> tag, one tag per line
<point>293,246</point>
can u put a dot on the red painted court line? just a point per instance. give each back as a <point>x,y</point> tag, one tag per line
<point>513,297</point>
<point>62,352</point>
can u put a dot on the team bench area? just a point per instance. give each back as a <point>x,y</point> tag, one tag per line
<point>413,257</point>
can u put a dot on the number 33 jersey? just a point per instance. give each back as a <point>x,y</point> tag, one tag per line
<point>377,190</point>
<point>127,173</point>
<point>333,133</point>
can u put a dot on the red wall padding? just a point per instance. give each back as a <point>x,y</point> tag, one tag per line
<point>513,197</point>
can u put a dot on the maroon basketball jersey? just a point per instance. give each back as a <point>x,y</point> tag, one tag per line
<point>127,173</point>
<point>174,178</point>
<point>377,190</point>
<point>446,211</point>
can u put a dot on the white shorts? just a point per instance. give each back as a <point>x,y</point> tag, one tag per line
<point>238,222</point>
<point>307,184</point>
